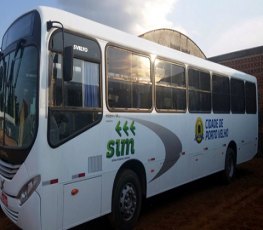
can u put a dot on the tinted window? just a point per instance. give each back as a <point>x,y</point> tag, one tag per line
<point>18,115</point>
<point>129,81</point>
<point>170,86</point>
<point>75,105</point>
<point>83,90</point>
<point>199,91</point>
<point>221,94</point>
<point>251,100</point>
<point>23,27</point>
<point>83,48</point>
<point>237,96</point>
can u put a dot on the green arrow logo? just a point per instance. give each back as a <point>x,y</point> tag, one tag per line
<point>118,128</point>
<point>126,128</point>
<point>132,128</point>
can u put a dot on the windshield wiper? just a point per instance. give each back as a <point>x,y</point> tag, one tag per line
<point>19,46</point>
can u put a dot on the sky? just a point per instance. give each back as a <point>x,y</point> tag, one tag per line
<point>217,27</point>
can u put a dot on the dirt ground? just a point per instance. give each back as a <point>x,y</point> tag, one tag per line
<point>203,204</point>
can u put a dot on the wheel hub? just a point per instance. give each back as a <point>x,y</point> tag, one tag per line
<point>128,202</point>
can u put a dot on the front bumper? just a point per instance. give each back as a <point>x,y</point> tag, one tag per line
<point>26,216</point>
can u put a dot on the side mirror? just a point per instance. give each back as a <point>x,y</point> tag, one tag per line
<point>68,63</point>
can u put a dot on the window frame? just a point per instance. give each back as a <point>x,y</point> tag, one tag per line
<point>246,107</point>
<point>132,52</point>
<point>73,109</point>
<point>238,96</point>
<point>178,64</point>
<point>212,92</point>
<point>198,90</point>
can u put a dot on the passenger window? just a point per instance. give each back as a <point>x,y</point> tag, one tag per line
<point>199,91</point>
<point>251,100</point>
<point>221,94</point>
<point>129,81</point>
<point>75,105</point>
<point>83,89</point>
<point>170,86</point>
<point>237,96</point>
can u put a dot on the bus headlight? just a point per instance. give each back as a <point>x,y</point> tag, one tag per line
<point>28,189</point>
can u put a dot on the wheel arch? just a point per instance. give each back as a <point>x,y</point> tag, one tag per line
<point>232,145</point>
<point>138,168</point>
<point>120,218</point>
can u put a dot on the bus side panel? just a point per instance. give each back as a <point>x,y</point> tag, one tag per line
<point>248,141</point>
<point>81,201</point>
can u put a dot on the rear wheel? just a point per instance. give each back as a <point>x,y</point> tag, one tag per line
<point>230,166</point>
<point>126,201</point>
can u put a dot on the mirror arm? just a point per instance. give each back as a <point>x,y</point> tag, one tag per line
<point>67,52</point>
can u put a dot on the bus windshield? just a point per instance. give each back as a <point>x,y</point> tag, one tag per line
<point>18,92</point>
<point>19,86</point>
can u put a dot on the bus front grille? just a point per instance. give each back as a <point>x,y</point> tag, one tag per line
<point>7,170</point>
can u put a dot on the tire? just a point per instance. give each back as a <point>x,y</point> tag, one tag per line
<point>230,166</point>
<point>126,201</point>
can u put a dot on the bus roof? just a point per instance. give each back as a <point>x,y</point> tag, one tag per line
<point>88,27</point>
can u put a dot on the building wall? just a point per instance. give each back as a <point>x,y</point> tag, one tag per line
<point>175,40</point>
<point>249,61</point>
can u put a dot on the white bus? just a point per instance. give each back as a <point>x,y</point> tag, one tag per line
<point>94,120</point>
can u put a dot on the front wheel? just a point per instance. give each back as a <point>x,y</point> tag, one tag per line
<point>126,201</point>
<point>230,166</point>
